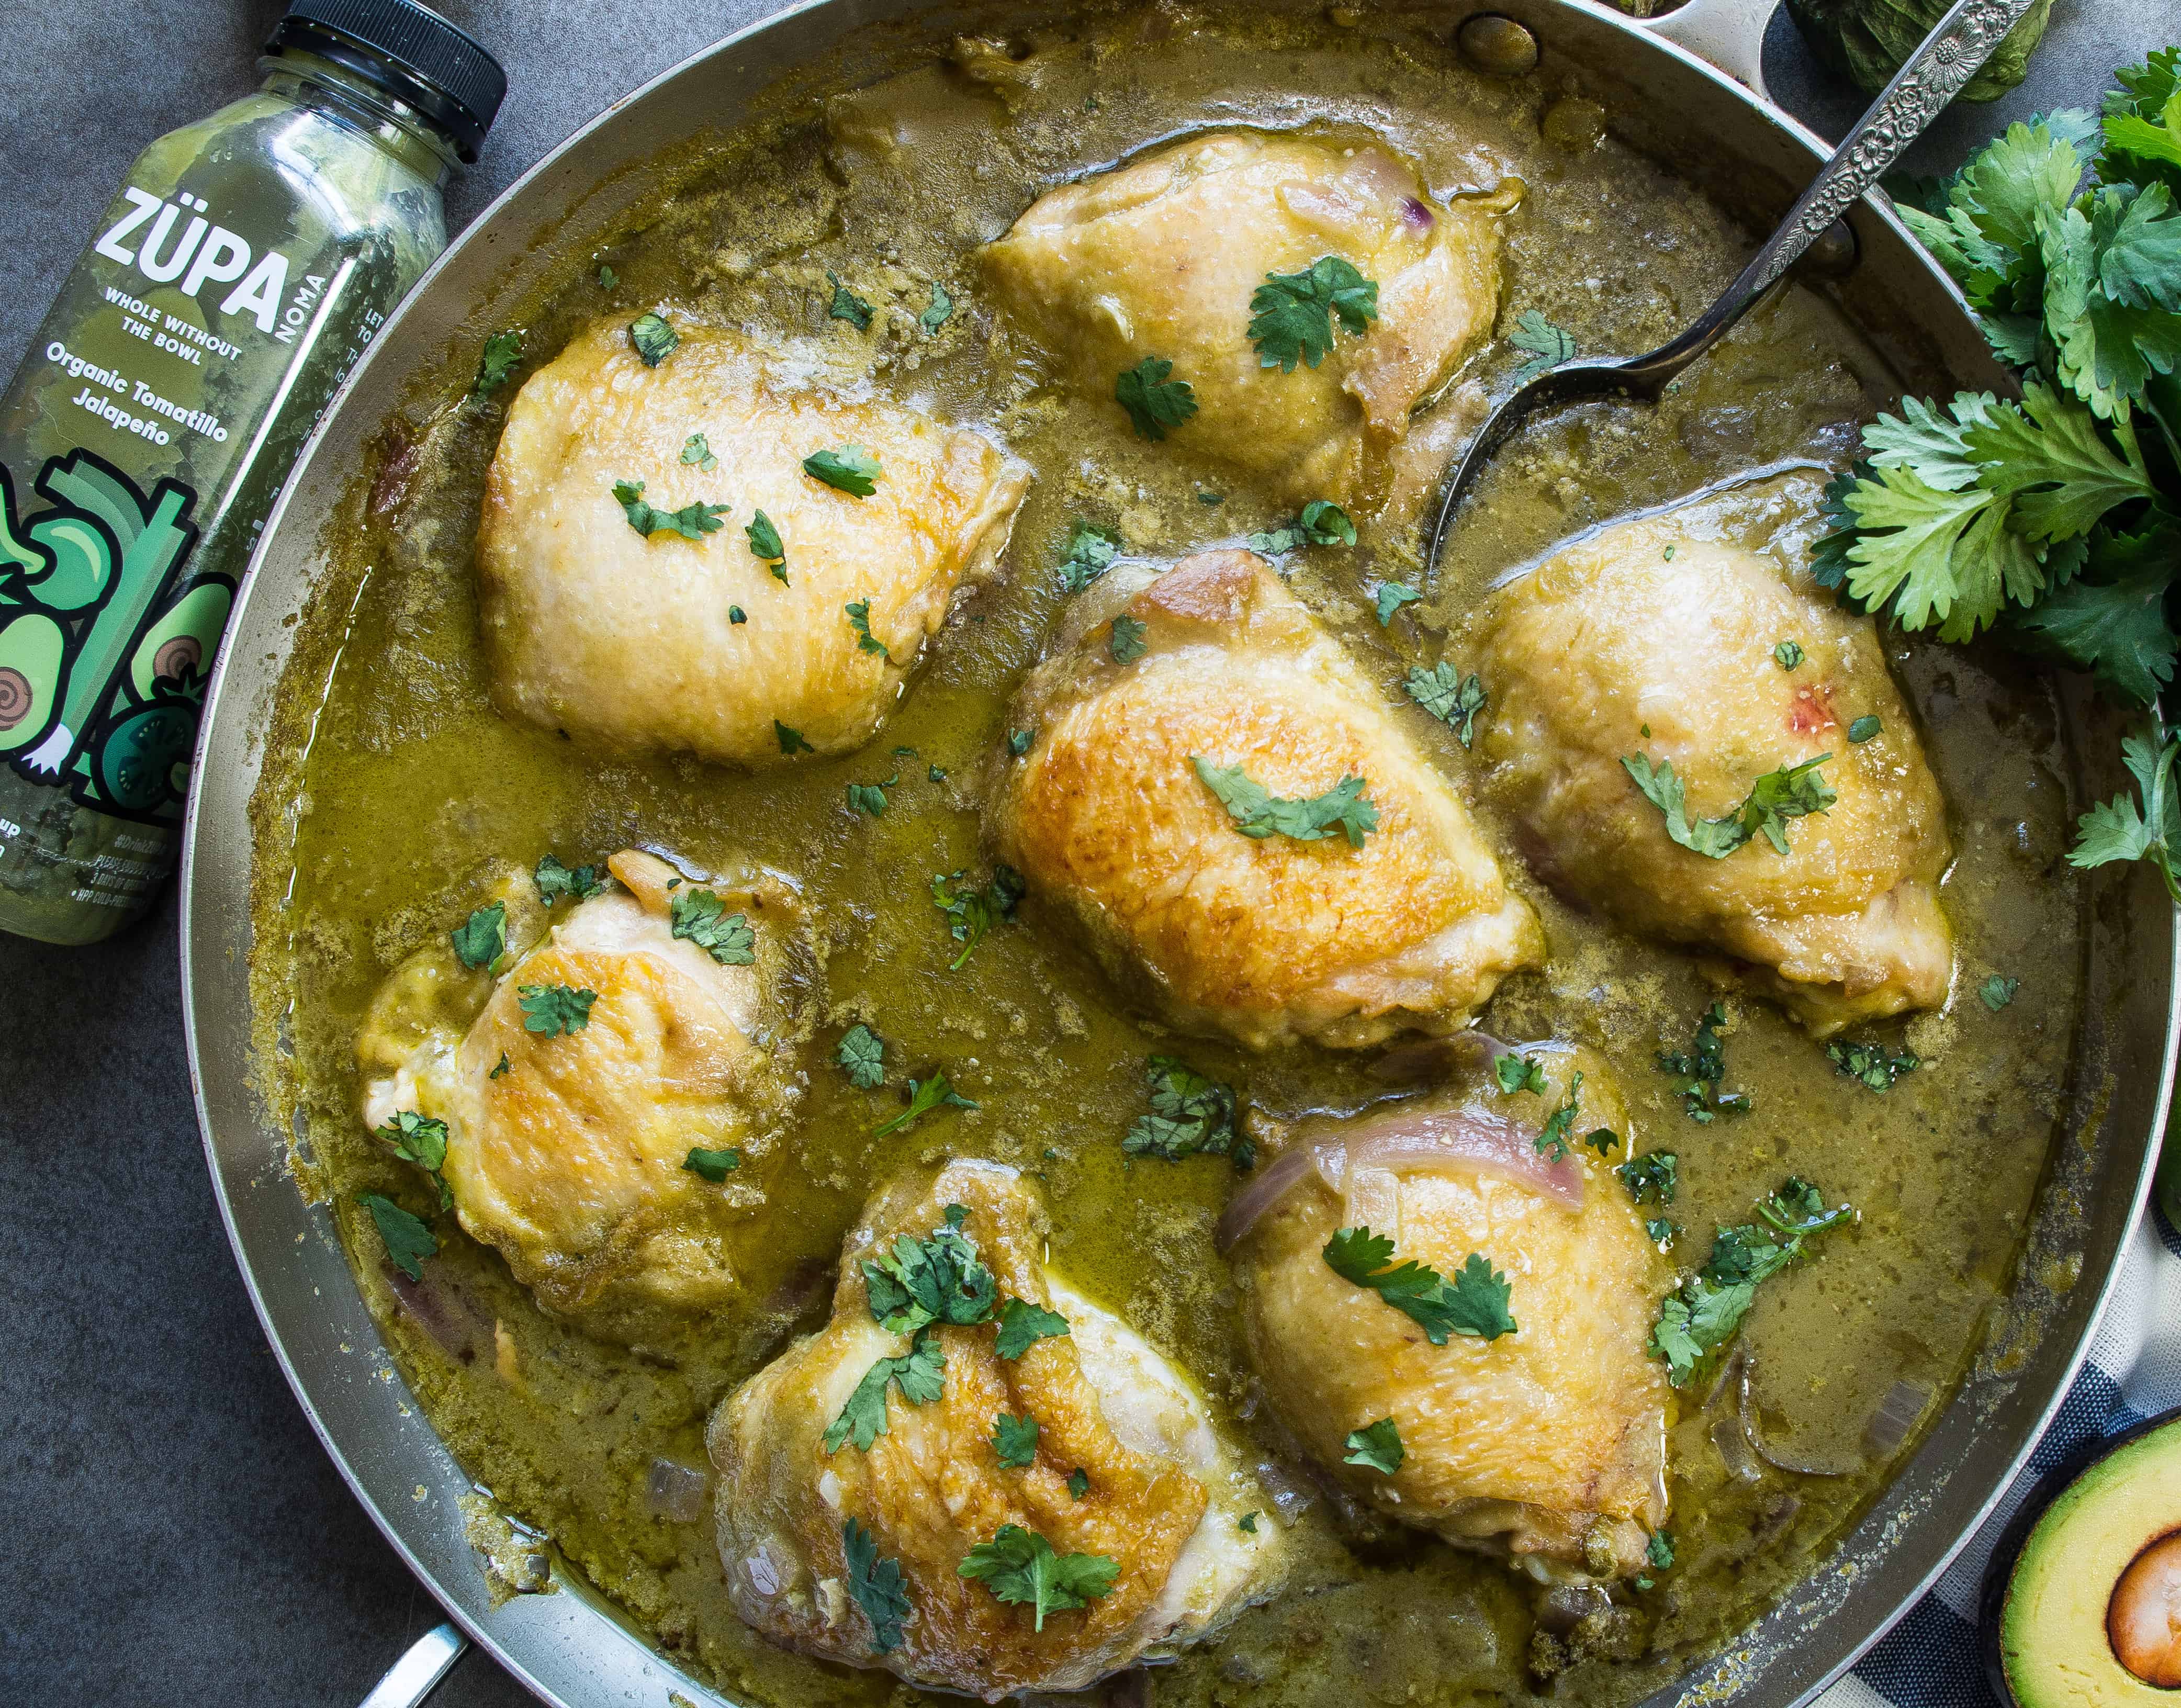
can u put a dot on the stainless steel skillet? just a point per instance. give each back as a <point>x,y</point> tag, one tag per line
<point>570,1647</point>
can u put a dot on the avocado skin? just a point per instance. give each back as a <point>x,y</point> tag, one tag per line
<point>2006,1554</point>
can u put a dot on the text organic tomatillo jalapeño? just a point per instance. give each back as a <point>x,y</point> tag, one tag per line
<point>244,266</point>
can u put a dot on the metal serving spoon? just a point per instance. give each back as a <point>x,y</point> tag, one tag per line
<point>1934,73</point>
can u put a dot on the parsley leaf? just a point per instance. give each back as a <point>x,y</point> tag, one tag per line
<point>877,1586</point>
<point>697,454</point>
<point>481,939</point>
<point>972,912</point>
<point>764,545</point>
<point>418,1139</point>
<point>1392,596</point>
<point>1654,1176</point>
<point>1474,1304</point>
<point>1154,402</point>
<point>920,1373</point>
<point>1258,813</point>
<point>1291,314</point>
<point>1091,552</point>
<point>1126,641</point>
<point>1023,1325</point>
<point>850,469</point>
<point>1702,1065</point>
<point>550,1010</point>
<point>408,1240</point>
<point>691,522</point>
<point>1015,1441</point>
<point>1322,523</point>
<point>924,1096</point>
<point>1378,1447</point>
<point>1021,1568</point>
<point>702,917</point>
<point>942,306</point>
<point>502,353</point>
<point>1547,345</point>
<point>1998,991</point>
<point>713,1165</point>
<point>1190,1114</point>
<point>1872,1064</point>
<point>654,338</point>
<point>1703,1314</point>
<point>939,1279</point>
<point>790,740</point>
<point>1787,654</point>
<point>1517,1073</point>
<point>846,305</point>
<point>862,1053</point>
<point>1792,791</point>
<point>859,619</point>
<point>1455,700</point>
<point>1552,1140</point>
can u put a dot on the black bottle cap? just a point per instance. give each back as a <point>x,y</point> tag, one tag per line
<point>410,52</point>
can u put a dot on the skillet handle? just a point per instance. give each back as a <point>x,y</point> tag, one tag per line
<point>1728,35</point>
<point>411,1678</point>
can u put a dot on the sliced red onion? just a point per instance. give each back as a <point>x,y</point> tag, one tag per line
<point>1746,1410</point>
<point>1896,1417</point>
<point>1406,1139</point>
<point>443,1313</point>
<point>1430,1061</point>
<point>676,1491</point>
<point>1729,1437</point>
<point>1416,213</point>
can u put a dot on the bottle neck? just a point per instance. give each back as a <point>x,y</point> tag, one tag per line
<point>319,86</point>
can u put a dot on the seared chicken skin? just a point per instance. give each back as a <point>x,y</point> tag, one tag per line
<point>1268,939</point>
<point>1161,257</point>
<point>631,640</point>
<point>565,1149</point>
<point>1657,639</point>
<point>1548,1443</point>
<point>852,1545</point>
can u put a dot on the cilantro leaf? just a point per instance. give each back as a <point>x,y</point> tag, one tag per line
<point>1015,1441</point>
<point>1474,1304</point>
<point>1190,1114</point>
<point>501,1069</point>
<point>2111,620</point>
<point>764,545</point>
<point>861,1053</point>
<point>1654,1177</point>
<point>697,455</point>
<point>1705,1312</point>
<point>2142,123</point>
<point>1125,639</point>
<point>1023,1325</point>
<point>942,306</point>
<point>1455,700</point>
<point>1659,1551</point>
<point>713,1165</point>
<point>1392,596</point>
<point>973,912</point>
<point>1022,1569</point>
<point>859,619</point>
<point>408,1242</point>
<point>846,305</point>
<point>1258,813</point>
<point>654,338</point>
<point>1552,1140</point>
<point>418,1139</point>
<point>790,740</point>
<point>1549,345</point>
<point>481,939</point>
<point>1079,1483</point>
<point>550,1010</point>
<point>503,352</point>
<point>1998,991</point>
<point>1154,402</point>
<point>920,1373</point>
<point>849,468</point>
<point>1702,1066</point>
<point>1792,792</point>
<point>1291,314</point>
<point>701,916</point>
<point>1518,1073</point>
<point>1787,654</point>
<point>1322,523</point>
<point>1872,1064</point>
<point>878,1587</point>
<point>924,1096</point>
<point>607,278</point>
<point>1018,741</point>
<point>1864,727</point>
<point>1377,1446</point>
<point>691,522</point>
<point>1091,552</point>
<point>868,797</point>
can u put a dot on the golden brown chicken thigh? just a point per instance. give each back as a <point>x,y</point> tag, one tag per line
<point>1267,939</point>
<point>1161,257</point>
<point>566,1138</point>
<point>1660,638</point>
<point>885,1529</point>
<point>1547,1442</point>
<point>630,637</point>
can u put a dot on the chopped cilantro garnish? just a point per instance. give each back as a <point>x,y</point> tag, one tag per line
<point>1392,596</point>
<point>1126,641</point>
<point>503,352</point>
<point>920,1373</point>
<point>697,455</point>
<point>1022,1569</point>
<point>422,1140</point>
<point>691,522</point>
<point>550,1010</point>
<point>1998,991</point>
<point>1015,1441</point>
<point>578,883</point>
<point>850,469</point>
<point>1552,1140</point>
<point>859,619</point>
<point>1703,1065</point>
<point>1791,793</point>
<point>941,307</point>
<point>702,917</point>
<point>1877,1067</point>
<point>1291,314</point>
<point>408,1240</point>
<point>924,1096</point>
<point>713,1165</point>
<point>1247,1524</point>
<point>654,338</point>
<point>1787,654</point>
<point>1660,1550</point>
<point>1547,345</point>
<point>1474,1304</point>
<point>481,939</point>
<point>1259,813</point>
<point>1091,552</point>
<point>846,305</point>
<point>737,615</point>
<point>790,740</point>
<point>501,1069</point>
<point>1376,1447</point>
<point>1864,727</point>
<point>607,278</point>
<point>868,797</point>
<point>1154,402</point>
<point>1705,1312</point>
<point>972,912</point>
<point>877,1586</point>
<point>1018,741</point>
<point>1455,700</point>
<point>1656,1175</point>
<point>1322,522</point>
<point>862,1053</point>
<point>764,545</point>
<point>1191,1115</point>
<point>1023,1325</point>
<point>1518,1073</point>
<point>1079,1483</point>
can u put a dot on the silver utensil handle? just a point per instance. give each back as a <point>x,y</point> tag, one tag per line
<point>410,1680</point>
<point>1951,54</point>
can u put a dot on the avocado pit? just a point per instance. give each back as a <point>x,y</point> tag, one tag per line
<point>2143,1621</point>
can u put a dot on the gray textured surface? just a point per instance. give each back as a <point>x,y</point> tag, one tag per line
<point>174,1533</point>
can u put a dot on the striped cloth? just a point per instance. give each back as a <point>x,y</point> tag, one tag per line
<point>1930,1659</point>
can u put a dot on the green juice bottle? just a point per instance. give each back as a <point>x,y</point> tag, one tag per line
<point>245,266</point>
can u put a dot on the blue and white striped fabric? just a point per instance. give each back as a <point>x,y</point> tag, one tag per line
<point>1930,1659</point>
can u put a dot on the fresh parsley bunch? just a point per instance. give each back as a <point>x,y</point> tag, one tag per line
<point>2056,522</point>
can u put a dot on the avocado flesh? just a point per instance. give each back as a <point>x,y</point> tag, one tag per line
<point>2052,1640</point>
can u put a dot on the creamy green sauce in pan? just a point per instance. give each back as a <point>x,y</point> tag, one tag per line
<point>409,792</point>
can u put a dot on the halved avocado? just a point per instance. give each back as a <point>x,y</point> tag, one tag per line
<point>2089,1614</point>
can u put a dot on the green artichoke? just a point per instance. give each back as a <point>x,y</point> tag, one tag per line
<point>1866,40</point>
